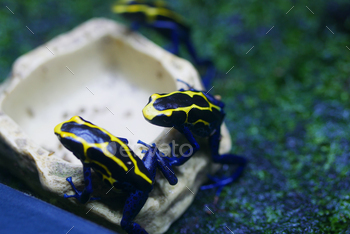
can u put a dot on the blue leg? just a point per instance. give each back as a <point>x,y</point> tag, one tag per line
<point>174,161</point>
<point>214,142</point>
<point>190,48</point>
<point>210,68</point>
<point>133,205</point>
<point>174,33</point>
<point>138,198</point>
<point>188,85</point>
<point>145,144</point>
<point>209,75</point>
<point>206,83</point>
<point>167,170</point>
<point>153,154</point>
<point>225,181</point>
<point>85,195</point>
<point>135,26</point>
<point>150,161</point>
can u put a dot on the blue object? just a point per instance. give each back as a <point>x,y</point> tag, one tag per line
<point>20,213</point>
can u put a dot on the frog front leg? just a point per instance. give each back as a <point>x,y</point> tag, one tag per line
<point>152,154</point>
<point>214,142</point>
<point>85,195</point>
<point>167,170</point>
<point>206,79</point>
<point>178,161</point>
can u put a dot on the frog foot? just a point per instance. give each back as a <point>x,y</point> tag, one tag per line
<point>82,197</point>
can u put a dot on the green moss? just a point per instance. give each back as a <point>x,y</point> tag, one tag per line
<point>272,215</point>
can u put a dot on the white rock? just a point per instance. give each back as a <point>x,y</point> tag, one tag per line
<point>104,73</point>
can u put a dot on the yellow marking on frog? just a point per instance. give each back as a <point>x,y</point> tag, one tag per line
<point>201,121</point>
<point>150,12</point>
<point>150,112</point>
<point>102,146</point>
<point>109,177</point>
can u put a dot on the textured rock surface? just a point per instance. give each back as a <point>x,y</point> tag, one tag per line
<point>104,73</point>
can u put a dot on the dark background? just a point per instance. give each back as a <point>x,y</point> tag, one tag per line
<point>287,104</point>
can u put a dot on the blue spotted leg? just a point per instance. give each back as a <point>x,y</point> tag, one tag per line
<point>138,198</point>
<point>85,195</point>
<point>214,142</point>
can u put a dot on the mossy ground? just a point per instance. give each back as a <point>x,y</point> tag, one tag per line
<point>287,104</point>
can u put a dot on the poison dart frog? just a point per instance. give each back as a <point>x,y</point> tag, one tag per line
<point>115,163</point>
<point>193,112</point>
<point>172,26</point>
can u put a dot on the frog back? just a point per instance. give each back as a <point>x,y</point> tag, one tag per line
<point>109,156</point>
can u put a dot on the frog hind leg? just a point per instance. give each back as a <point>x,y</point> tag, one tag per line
<point>214,142</point>
<point>135,26</point>
<point>209,74</point>
<point>208,65</point>
<point>138,198</point>
<point>175,35</point>
<point>133,205</point>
